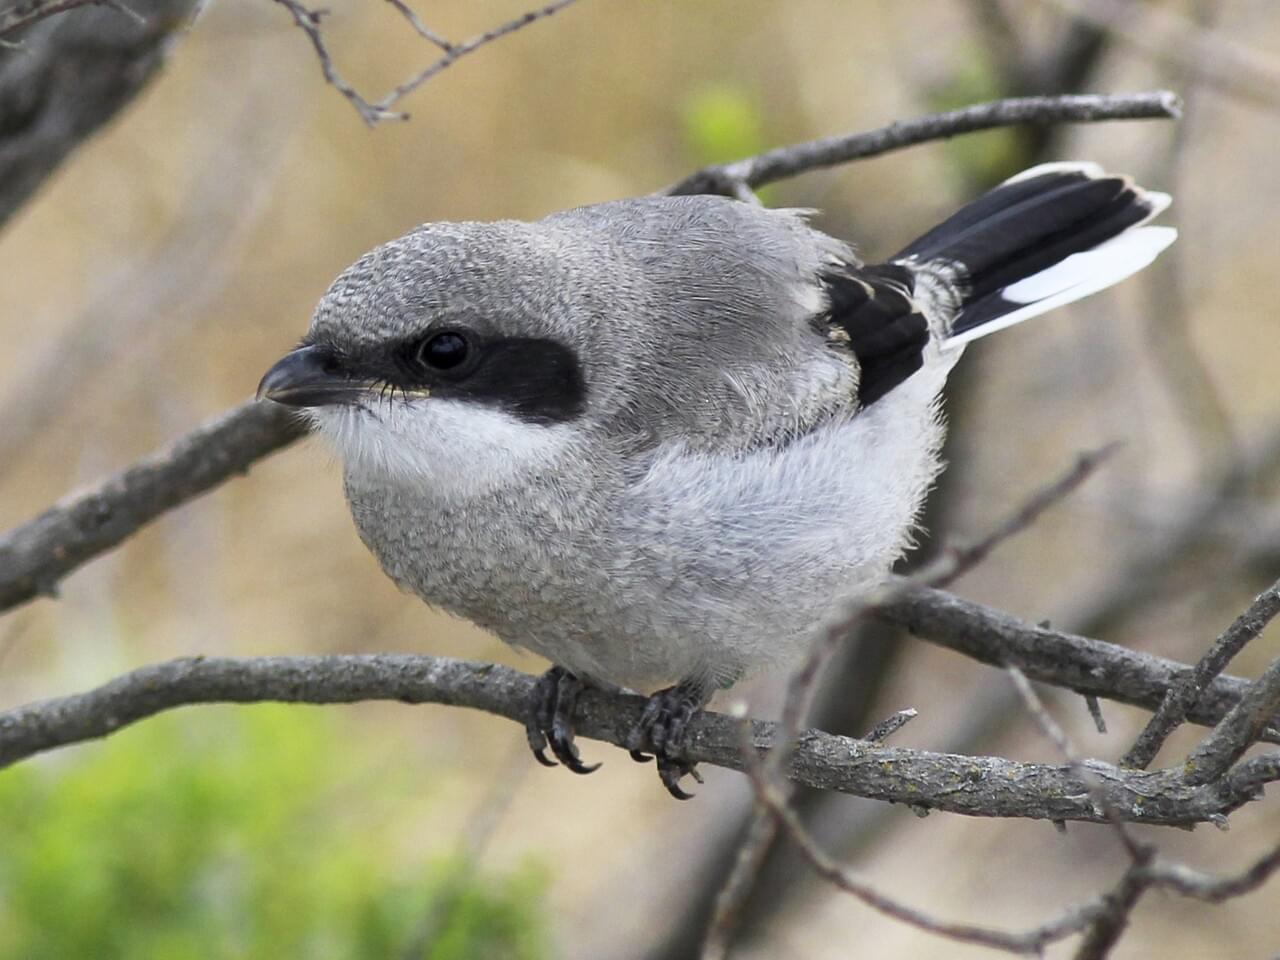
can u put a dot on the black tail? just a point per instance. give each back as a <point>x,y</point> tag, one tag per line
<point>1024,230</point>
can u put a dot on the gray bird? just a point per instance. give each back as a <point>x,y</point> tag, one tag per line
<point>656,440</point>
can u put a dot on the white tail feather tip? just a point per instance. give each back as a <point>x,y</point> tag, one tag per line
<point>1076,277</point>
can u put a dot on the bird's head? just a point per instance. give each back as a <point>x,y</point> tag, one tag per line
<point>454,353</point>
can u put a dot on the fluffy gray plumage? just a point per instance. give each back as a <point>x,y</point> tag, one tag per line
<point>720,486</point>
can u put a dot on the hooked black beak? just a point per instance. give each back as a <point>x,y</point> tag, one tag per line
<point>309,377</point>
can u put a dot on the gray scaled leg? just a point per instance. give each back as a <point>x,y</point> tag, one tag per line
<point>549,721</point>
<point>661,732</point>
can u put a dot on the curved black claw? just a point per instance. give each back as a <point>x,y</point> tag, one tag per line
<point>661,732</point>
<point>550,720</point>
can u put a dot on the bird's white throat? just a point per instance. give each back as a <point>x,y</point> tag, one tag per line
<point>453,447</point>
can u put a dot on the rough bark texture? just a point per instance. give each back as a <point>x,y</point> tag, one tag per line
<point>973,786</point>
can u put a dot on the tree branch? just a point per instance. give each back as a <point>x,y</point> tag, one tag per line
<point>1078,663</point>
<point>729,179</point>
<point>372,112</point>
<point>973,786</point>
<point>19,16</point>
<point>68,75</point>
<point>37,555</point>
<point>1188,690</point>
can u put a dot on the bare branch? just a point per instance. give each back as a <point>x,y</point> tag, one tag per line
<point>1087,666</point>
<point>737,887</point>
<point>37,555</point>
<point>1184,694</point>
<point>755,846</point>
<point>16,18</point>
<point>1031,942</point>
<point>973,786</point>
<point>309,21</point>
<point>1193,883</point>
<point>69,75</point>
<point>774,800</point>
<point>784,162</point>
<point>1213,59</point>
<point>1238,730</point>
<point>421,28</point>
<point>1035,706</point>
<point>955,561</point>
<point>456,52</point>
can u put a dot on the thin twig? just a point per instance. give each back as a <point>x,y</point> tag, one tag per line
<point>890,725</point>
<point>1238,730</point>
<point>758,841</point>
<point>752,851</point>
<point>308,21</point>
<point>1202,886</point>
<point>770,796</point>
<point>1095,712</point>
<point>957,560</point>
<point>456,52</point>
<point>789,161</point>
<point>1035,706</point>
<point>421,28</point>
<point>1187,691</point>
<point>373,112</point>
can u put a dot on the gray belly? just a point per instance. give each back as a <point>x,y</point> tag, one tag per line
<point>571,585</point>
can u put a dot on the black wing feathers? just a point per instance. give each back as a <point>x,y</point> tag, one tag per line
<point>872,314</point>
<point>1018,229</point>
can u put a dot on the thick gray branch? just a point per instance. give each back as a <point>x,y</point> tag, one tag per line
<point>974,786</point>
<point>65,76</point>
<point>1065,660</point>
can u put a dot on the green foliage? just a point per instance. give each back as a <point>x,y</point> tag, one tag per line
<point>723,123</point>
<point>982,159</point>
<point>219,834</point>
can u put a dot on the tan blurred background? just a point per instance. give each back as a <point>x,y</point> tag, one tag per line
<point>203,225</point>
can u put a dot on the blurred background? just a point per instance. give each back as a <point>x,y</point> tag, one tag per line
<point>175,256</point>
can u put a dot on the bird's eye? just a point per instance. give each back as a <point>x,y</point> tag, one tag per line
<point>443,351</point>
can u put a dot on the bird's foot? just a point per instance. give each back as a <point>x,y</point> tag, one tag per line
<point>550,720</point>
<point>661,732</point>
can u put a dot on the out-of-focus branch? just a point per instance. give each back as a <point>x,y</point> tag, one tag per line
<point>63,77</point>
<point>973,786</point>
<point>729,179</point>
<point>1164,35</point>
<point>37,555</point>
<point>309,20</point>
<point>16,18</point>
<point>158,292</point>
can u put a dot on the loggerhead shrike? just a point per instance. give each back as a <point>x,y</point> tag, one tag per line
<point>655,440</point>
